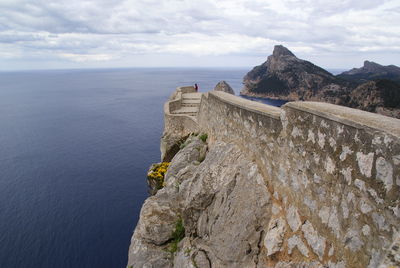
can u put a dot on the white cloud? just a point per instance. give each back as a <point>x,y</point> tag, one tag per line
<point>86,57</point>
<point>108,30</point>
<point>202,44</point>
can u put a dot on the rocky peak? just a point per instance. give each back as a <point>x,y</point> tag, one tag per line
<point>280,50</point>
<point>371,66</point>
<point>284,73</point>
<point>225,87</point>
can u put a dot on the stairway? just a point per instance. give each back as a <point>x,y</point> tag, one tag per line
<point>190,104</point>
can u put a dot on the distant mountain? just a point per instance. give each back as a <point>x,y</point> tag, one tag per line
<point>284,76</point>
<point>372,71</point>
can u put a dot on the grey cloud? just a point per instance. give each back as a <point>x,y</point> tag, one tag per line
<point>18,37</point>
<point>36,18</point>
<point>102,17</point>
<point>187,27</point>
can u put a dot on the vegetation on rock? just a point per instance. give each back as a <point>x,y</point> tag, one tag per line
<point>203,137</point>
<point>177,236</point>
<point>155,176</point>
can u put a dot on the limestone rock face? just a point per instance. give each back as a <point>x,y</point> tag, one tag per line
<point>159,221</point>
<point>225,87</point>
<point>224,205</point>
<point>169,146</point>
<point>195,149</point>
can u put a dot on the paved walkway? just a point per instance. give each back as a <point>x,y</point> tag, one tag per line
<point>190,104</point>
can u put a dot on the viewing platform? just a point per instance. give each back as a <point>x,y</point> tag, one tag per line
<point>190,104</point>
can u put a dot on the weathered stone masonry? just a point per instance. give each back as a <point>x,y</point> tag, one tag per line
<point>333,174</point>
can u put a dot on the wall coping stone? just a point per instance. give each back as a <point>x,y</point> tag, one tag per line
<point>349,116</point>
<point>253,106</point>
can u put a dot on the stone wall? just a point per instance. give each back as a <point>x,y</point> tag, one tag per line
<point>175,123</point>
<point>176,126</point>
<point>332,172</point>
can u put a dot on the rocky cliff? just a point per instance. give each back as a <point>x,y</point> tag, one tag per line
<point>222,202</point>
<point>380,96</point>
<point>284,76</point>
<point>306,185</point>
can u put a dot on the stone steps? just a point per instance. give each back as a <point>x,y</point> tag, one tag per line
<point>190,104</point>
<point>191,96</point>
<point>186,110</point>
<point>190,101</point>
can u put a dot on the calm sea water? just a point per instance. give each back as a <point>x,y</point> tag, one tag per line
<point>75,146</point>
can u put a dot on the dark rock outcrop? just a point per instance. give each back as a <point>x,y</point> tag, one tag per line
<point>284,76</point>
<point>380,96</point>
<point>225,87</point>
<point>372,71</point>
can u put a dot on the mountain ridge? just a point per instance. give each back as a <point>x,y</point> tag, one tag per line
<point>372,71</point>
<point>284,76</point>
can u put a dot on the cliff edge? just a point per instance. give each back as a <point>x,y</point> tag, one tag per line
<point>306,185</point>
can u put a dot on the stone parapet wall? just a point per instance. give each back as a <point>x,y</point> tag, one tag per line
<point>176,104</point>
<point>306,185</point>
<point>341,174</point>
<point>181,90</point>
<point>178,124</point>
<point>175,100</point>
<point>333,172</point>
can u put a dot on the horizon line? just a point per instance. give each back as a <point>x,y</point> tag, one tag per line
<point>143,67</point>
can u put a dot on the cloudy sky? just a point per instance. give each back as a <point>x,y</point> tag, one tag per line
<point>47,34</point>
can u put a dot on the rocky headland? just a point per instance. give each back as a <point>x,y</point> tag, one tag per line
<point>243,184</point>
<point>373,87</point>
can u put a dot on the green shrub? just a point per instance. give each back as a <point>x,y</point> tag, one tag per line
<point>179,232</point>
<point>203,137</point>
<point>177,236</point>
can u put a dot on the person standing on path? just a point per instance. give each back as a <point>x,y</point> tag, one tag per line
<point>196,87</point>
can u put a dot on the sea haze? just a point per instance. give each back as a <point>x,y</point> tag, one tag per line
<point>75,146</point>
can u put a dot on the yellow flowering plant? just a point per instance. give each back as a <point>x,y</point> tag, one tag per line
<point>156,174</point>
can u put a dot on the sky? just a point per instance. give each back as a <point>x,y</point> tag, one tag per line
<point>53,34</point>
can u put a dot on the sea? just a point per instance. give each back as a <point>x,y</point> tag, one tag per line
<point>75,146</point>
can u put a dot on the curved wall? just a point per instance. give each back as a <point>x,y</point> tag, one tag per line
<point>333,172</point>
